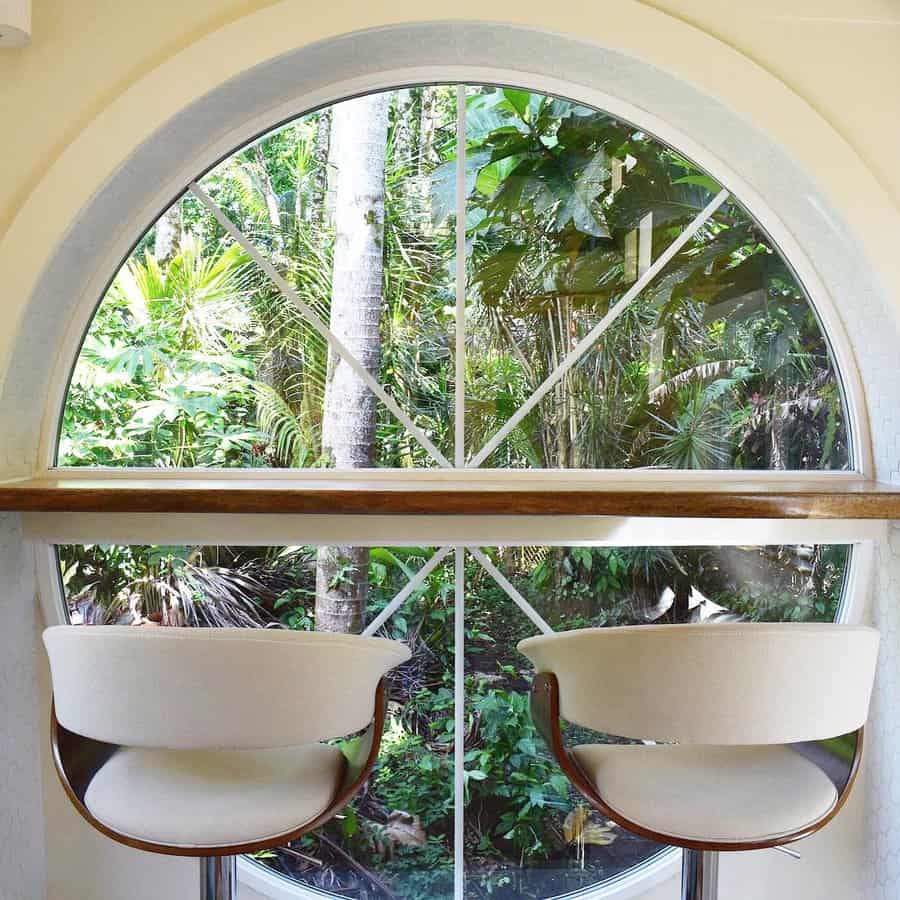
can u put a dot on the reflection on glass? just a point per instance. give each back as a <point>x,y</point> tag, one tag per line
<point>581,587</point>
<point>719,362</point>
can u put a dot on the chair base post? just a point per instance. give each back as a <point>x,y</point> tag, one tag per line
<point>218,878</point>
<point>699,875</point>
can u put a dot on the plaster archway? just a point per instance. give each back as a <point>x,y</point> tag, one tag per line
<point>248,84</point>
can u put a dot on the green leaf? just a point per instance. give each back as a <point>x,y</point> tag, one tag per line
<point>493,175</point>
<point>349,822</point>
<point>519,100</point>
<point>494,275</point>
<point>443,183</point>
<point>703,181</point>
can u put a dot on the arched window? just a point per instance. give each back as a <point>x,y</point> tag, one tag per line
<point>301,306</point>
<point>458,277</point>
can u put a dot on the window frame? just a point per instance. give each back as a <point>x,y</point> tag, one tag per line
<point>822,303</point>
<point>45,530</point>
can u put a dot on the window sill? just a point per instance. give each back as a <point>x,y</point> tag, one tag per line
<point>638,493</point>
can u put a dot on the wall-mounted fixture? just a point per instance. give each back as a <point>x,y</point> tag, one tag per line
<point>15,23</point>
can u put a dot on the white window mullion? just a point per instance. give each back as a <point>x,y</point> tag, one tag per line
<point>404,594</point>
<point>536,618</point>
<point>459,452</point>
<point>459,725</point>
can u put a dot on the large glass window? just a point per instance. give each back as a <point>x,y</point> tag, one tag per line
<point>527,834</point>
<point>456,277</point>
<point>301,305</point>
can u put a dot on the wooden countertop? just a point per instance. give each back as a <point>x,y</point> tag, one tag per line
<point>476,492</point>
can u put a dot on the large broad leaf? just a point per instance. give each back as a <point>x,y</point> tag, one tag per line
<point>645,193</point>
<point>587,280</point>
<point>695,271</point>
<point>741,307</point>
<point>596,131</point>
<point>520,194</point>
<point>554,109</point>
<point>704,181</point>
<point>494,174</point>
<point>443,183</point>
<point>575,200</point>
<point>581,204</point>
<point>519,100</point>
<point>495,273</point>
<point>485,116</point>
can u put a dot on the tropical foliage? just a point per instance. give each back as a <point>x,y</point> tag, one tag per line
<point>527,835</point>
<point>197,360</point>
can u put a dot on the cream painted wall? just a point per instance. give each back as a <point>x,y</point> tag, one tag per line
<point>840,57</point>
<point>102,75</point>
<point>843,58</point>
<point>81,56</point>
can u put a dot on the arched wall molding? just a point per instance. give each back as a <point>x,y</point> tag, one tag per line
<point>176,171</point>
<point>118,174</point>
<point>98,235</point>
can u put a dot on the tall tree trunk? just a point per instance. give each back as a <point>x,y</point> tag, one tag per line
<point>168,234</point>
<point>779,455</point>
<point>271,198</point>
<point>320,167</point>
<point>428,123</point>
<point>356,162</point>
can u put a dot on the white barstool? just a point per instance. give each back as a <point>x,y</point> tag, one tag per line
<point>206,741</point>
<point>737,710</point>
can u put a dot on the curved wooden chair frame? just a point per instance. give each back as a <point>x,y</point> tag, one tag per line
<point>545,713</point>
<point>78,759</point>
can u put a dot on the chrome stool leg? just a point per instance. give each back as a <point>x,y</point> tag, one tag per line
<point>218,878</point>
<point>699,875</point>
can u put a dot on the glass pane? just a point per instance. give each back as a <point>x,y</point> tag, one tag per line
<point>720,362</point>
<point>396,837</point>
<point>581,587</point>
<point>194,357</point>
<point>528,833</point>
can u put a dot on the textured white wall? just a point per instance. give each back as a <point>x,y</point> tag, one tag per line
<point>21,815</point>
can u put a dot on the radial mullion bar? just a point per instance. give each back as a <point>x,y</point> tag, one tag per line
<point>404,594</point>
<point>510,590</point>
<point>590,339</point>
<point>459,452</point>
<point>312,317</point>
<point>459,725</point>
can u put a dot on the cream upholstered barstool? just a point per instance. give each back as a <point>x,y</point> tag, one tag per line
<point>738,710</point>
<point>206,741</point>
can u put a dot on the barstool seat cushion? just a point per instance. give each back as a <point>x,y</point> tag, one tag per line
<point>721,794</point>
<point>213,798</point>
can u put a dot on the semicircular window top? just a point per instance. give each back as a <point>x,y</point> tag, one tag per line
<point>436,277</point>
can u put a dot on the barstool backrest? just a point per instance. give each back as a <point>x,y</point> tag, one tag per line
<point>713,684</point>
<point>214,688</point>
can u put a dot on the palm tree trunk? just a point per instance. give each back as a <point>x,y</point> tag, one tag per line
<point>319,189</point>
<point>168,234</point>
<point>357,160</point>
<point>272,208</point>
